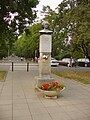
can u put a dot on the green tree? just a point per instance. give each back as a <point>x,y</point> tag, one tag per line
<point>27,44</point>
<point>15,15</point>
<point>71,26</point>
<point>60,37</point>
<point>78,26</point>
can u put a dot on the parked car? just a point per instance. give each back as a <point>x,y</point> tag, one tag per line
<point>70,62</point>
<point>83,62</point>
<point>54,62</point>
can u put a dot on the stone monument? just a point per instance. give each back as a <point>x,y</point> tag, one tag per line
<point>45,48</point>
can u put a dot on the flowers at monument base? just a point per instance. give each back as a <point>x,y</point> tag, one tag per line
<point>52,86</point>
<point>45,57</point>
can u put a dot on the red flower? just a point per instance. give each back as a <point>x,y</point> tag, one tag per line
<point>54,83</point>
<point>58,86</point>
<point>51,86</point>
<point>45,86</point>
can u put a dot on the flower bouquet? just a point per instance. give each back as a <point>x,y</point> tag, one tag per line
<point>50,89</point>
<point>45,57</point>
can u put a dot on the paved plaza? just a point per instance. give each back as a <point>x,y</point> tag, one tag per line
<point>20,101</point>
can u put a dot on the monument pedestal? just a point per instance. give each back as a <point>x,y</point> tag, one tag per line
<point>45,70</point>
<point>45,47</point>
<point>42,80</point>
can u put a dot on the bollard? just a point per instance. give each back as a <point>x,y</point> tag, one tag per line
<point>27,66</point>
<point>12,66</point>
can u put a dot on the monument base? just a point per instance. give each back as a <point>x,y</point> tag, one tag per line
<point>49,97</point>
<point>42,80</point>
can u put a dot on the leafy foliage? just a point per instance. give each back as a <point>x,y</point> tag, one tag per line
<point>27,44</point>
<point>71,26</point>
<point>52,86</point>
<point>15,15</point>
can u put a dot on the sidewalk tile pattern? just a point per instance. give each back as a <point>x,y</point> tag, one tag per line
<point>20,101</point>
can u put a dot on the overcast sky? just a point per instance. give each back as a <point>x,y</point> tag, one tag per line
<point>52,3</point>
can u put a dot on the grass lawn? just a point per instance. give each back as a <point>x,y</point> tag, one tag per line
<point>83,77</point>
<point>2,74</point>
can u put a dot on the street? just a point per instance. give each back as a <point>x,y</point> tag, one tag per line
<point>23,66</point>
<point>65,68</point>
<point>18,66</point>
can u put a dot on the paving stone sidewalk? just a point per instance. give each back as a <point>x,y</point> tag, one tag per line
<point>19,100</point>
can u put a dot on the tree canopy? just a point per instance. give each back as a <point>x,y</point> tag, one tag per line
<point>15,16</point>
<point>71,26</point>
<point>27,44</point>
